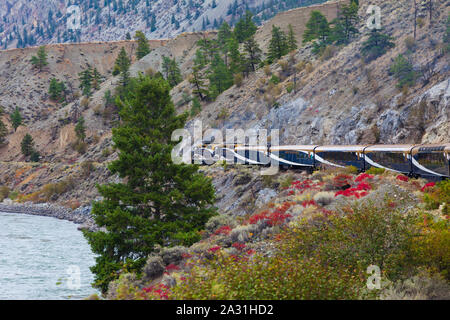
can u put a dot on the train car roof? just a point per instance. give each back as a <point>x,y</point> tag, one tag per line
<point>347,148</point>
<point>391,147</point>
<point>293,148</point>
<point>253,148</point>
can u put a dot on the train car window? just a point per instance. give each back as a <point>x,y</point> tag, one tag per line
<point>434,161</point>
<point>393,160</point>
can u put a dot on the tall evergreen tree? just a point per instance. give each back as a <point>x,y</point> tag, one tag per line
<point>80,129</point>
<point>96,79</point>
<point>122,66</point>
<point>159,202</point>
<point>252,54</point>
<point>278,45</point>
<point>27,145</point>
<point>245,28</point>
<point>3,129</point>
<point>85,78</point>
<point>198,81</point>
<point>171,71</point>
<point>317,27</point>
<point>143,48</point>
<point>345,26</point>
<point>376,45</point>
<point>234,55</point>
<point>56,90</point>
<point>40,60</point>
<point>292,41</point>
<point>16,118</point>
<point>224,34</point>
<point>220,77</point>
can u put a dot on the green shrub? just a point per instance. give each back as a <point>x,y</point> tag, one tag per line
<point>431,248</point>
<point>80,147</point>
<point>369,235</point>
<point>410,43</point>
<point>351,170</point>
<point>87,167</point>
<point>13,195</point>
<point>323,258</point>
<point>282,277</point>
<point>58,188</point>
<point>274,79</point>
<point>223,114</point>
<point>4,192</point>
<point>404,72</point>
<point>106,152</point>
<point>290,87</point>
<point>238,80</point>
<point>287,181</point>
<point>376,171</point>
<point>438,195</point>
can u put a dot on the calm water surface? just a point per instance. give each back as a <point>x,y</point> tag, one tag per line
<point>43,258</point>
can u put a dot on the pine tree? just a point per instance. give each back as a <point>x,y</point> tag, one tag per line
<point>245,28</point>
<point>27,145</point>
<point>40,60</point>
<point>57,90</point>
<point>3,129</point>
<point>377,45</point>
<point>85,78</point>
<point>446,39</point>
<point>317,27</point>
<point>122,66</point>
<point>278,45</point>
<point>197,80</point>
<point>220,77</point>
<point>159,202</point>
<point>403,71</point>
<point>80,130</point>
<point>171,71</point>
<point>252,54</point>
<point>16,118</point>
<point>292,41</point>
<point>96,79</point>
<point>345,26</point>
<point>224,34</point>
<point>196,107</point>
<point>143,48</point>
<point>234,55</point>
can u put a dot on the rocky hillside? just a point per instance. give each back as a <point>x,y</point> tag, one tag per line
<point>341,99</point>
<point>26,23</point>
<point>337,98</point>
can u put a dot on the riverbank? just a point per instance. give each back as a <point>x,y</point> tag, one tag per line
<point>81,216</point>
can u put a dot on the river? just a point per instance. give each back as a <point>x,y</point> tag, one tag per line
<point>43,258</point>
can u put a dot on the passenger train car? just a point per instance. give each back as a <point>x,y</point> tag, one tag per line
<point>428,161</point>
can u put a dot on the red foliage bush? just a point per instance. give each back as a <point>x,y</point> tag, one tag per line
<point>172,267</point>
<point>224,230</point>
<point>402,177</point>
<point>305,185</point>
<point>359,191</point>
<point>277,217</point>
<point>342,180</point>
<point>363,176</point>
<point>214,249</point>
<point>161,291</point>
<point>239,246</point>
<point>428,185</point>
<point>308,203</point>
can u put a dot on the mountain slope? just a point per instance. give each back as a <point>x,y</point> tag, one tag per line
<point>24,23</point>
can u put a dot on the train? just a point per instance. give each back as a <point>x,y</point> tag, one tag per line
<point>430,161</point>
